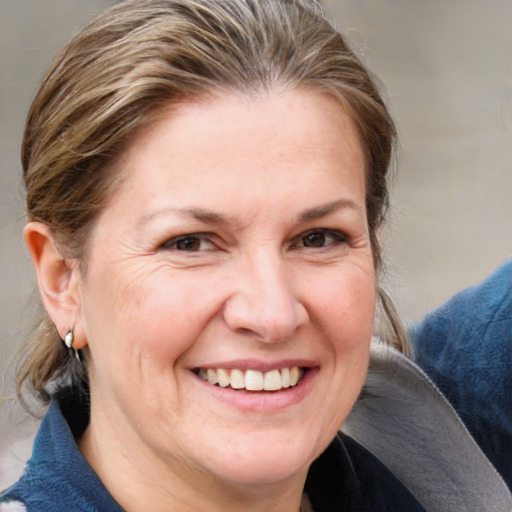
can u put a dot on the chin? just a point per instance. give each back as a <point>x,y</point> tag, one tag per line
<point>264,472</point>
<point>267,460</point>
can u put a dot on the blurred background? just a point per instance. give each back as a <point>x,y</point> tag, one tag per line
<point>447,72</point>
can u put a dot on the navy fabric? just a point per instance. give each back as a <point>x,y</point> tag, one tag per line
<point>348,478</point>
<point>345,477</point>
<point>465,347</point>
<point>57,477</point>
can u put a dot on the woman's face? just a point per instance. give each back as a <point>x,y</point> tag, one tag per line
<point>236,249</point>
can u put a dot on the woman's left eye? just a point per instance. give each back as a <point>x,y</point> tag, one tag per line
<point>188,243</point>
<point>322,238</point>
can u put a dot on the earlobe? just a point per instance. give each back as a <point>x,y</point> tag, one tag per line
<point>57,277</point>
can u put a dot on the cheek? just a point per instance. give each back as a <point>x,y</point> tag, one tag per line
<point>162,319</point>
<point>163,314</point>
<point>344,311</point>
<point>345,306</point>
<point>139,328</point>
<point>132,321</point>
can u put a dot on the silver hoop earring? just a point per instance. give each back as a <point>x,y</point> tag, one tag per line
<point>68,341</point>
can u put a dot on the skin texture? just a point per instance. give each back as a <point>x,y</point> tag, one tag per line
<point>246,179</point>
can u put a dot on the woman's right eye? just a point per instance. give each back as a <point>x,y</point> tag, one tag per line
<point>189,243</point>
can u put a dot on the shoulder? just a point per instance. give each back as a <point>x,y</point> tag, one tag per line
<point>465,347</point>
<point>403,419</point>
<point>468,340</point>
<point>347,476</point>
<point>36,490</point>
<point>57,475</point>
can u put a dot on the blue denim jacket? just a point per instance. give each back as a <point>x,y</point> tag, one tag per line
<point>465,347</point>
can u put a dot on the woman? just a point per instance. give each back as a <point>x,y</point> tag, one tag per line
<point>205,182</point>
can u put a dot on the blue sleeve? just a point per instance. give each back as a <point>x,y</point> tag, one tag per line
<point>465,347</point>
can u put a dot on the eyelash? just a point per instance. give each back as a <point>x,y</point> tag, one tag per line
<point>321,235</point>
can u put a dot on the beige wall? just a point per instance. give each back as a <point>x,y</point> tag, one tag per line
<point>447,70</point>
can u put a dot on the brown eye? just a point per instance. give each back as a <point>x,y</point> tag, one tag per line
<point>188,244</point>
<point>316,239</point>
<point>322,238</point>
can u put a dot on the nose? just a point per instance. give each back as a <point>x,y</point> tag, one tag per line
<point>264,304</point>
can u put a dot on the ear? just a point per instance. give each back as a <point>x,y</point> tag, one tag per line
<point>58,278</point>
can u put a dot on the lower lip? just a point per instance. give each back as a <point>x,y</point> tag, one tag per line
<point>262,401</point>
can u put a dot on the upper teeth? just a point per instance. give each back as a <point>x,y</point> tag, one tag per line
<point>252,380</point>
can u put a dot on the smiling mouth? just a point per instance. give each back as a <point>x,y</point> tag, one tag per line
<point>252,380</point>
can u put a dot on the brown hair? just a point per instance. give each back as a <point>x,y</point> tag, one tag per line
<point>118,72</point>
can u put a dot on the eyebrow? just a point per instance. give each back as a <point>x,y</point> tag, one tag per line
<point>212,217</point>
<point>325,209</point>
<point>200,214</point>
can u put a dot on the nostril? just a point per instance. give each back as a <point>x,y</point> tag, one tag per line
<point>246,332</point>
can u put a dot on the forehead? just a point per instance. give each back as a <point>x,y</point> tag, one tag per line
<point>271,142</point>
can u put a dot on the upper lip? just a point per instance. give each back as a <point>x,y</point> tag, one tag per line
<point>254,364</point>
